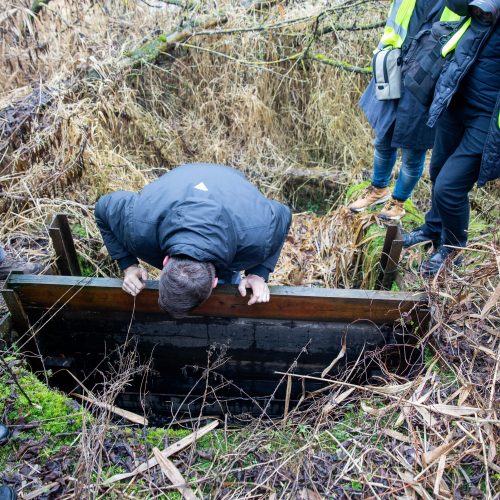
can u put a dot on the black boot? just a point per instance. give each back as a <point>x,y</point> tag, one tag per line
<point>437,260</point>
<point>419,236</point>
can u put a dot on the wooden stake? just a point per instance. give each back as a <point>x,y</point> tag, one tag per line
<point>64,246</point>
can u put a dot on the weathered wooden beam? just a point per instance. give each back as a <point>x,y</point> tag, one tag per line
<point>233,348</point>
<point>241,355</point>
<point>288,303</point>
<point>64,246</point>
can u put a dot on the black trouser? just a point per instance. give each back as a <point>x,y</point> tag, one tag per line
<point>454,169</point>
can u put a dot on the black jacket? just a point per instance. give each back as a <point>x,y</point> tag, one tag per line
<point>208,212</point>
<point>468,49</point>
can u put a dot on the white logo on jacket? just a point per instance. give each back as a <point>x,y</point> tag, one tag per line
<point>201,186</point>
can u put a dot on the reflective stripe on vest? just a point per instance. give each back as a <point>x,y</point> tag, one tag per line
<point>448,15</point>
<point>397,23</point>
<point>396,27</point>
<point>451,44</point>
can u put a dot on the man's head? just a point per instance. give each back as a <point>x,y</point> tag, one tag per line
<point>184,284</point>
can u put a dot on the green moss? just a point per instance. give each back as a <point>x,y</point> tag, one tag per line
<point>149,51</point>
<point>446,375</point>
<point>51,408</point>
<point>86,268</point>
<point>54,412</point>
<point>155,436</point>
<point>78,230</point>
<point>354,190</point>
<point>413,216</point>
<point>356,485</point>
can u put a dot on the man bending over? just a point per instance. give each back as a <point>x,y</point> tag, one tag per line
<point>201,224</point>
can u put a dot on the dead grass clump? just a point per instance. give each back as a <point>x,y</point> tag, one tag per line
<point>323,250</point>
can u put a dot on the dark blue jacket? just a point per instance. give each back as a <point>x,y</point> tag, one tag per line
<point>208,212</point>
<point>454,72</point>
<point>410,116</point>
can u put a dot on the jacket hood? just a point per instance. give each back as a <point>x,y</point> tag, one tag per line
<point>490,6</point>
<point>200,229</point>
<point>461,7</point>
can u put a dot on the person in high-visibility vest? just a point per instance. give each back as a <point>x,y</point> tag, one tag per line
<point>466,111</point>
<point>399,123</point>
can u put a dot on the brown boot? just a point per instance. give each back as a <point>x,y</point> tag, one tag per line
<point>393,210</point>
<point>370,197</point>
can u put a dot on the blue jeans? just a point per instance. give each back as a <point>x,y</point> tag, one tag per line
<point>2,255</point>
<point>384,159</point>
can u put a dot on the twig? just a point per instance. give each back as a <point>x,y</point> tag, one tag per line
<point>14,378</point>
<point>338,64</point>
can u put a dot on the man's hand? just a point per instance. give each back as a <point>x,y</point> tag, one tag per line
<point>133,281</point>
<point>260,290</point>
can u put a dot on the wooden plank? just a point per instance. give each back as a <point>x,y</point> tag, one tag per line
<point>289,303</point>
<point>389,259</point>
<point>64,246</point>
<point>254,348</point>
<point>5,325</point>
<point>391,268</point>
<point>390,234</point>
<point>19,317</point>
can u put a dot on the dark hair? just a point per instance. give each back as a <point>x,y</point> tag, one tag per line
<point>184,284</point>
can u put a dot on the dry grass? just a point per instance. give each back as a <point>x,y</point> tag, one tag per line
<point>235,98</point>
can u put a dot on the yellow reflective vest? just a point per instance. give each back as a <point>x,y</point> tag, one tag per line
<point>396,27</point>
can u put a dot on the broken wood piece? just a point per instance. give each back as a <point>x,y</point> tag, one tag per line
<point>128,415</point>
<point>167,452</point>
<point>174,475</point>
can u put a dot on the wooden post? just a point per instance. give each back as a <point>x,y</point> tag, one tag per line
<point>17,312</point>
<point>389,260</point>
<point>60,233</point>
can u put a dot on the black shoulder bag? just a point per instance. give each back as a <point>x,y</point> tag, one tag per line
<point>424,61</point>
